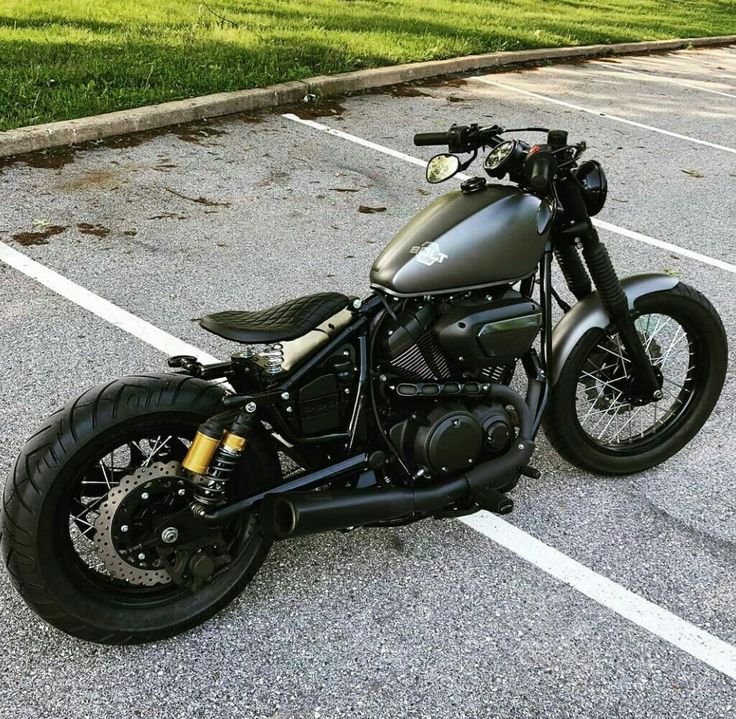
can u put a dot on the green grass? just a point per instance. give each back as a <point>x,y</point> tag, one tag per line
<point>61,59</point>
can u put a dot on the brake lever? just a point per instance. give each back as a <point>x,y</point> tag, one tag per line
<point>578,149</point>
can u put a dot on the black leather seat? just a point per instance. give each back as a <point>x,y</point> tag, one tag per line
<point>287,321</point>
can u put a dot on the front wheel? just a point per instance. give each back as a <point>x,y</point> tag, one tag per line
<point>592,419</point>
<point>89,488</point>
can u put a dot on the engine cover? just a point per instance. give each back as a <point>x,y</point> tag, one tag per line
<point>477,332</point>
<point>441,440</point>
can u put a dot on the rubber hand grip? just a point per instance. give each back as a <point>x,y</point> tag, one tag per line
<point>431,138</point>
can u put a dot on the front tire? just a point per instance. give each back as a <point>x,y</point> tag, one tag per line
<point>42,521</point>
<point>589,420</point>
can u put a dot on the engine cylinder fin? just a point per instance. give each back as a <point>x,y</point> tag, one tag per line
<point>423,360</point>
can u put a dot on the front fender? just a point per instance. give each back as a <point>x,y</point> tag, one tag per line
<point>590,313</point>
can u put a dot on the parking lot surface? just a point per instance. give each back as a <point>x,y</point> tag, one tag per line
<point>435,619</point>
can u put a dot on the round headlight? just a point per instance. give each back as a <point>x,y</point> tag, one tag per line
<point>594,184</point>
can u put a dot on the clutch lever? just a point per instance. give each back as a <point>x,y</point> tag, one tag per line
<point>465,165</point>
<point>526,129</point>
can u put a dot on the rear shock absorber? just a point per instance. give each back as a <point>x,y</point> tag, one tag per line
<point>214,455</point>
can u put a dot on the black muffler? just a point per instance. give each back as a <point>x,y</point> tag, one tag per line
<point>291,514</point>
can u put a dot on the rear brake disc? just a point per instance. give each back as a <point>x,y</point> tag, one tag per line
<point>123,559</point>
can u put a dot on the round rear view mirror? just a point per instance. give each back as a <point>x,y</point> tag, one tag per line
<point>442,167</point>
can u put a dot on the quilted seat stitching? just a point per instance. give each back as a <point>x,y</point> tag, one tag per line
<point>285,321</point>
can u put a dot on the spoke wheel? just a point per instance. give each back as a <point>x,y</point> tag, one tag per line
<point>99,453</point>
<point>594,419</point>
<point>606,412</point>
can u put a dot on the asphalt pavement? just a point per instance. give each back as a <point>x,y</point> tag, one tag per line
<point>435,619</point>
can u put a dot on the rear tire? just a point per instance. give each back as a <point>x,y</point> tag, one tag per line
<point>707,358</point>
<point>36,523</point>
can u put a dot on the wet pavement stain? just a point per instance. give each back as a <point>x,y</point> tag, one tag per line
<point>97,230</point>
<point>38,238</point>
<point>401,91</point>
<point>56,158</point>
<point>196,133</point>
<point>442,82</point>
<point>92,179</point>
<point>53,159</point>
<point>190,132</point>
<point>318,108</point>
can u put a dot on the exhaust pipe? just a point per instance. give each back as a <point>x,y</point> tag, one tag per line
<point>292,514</point>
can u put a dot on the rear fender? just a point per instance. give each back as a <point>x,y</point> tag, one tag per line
<point>589,313</point>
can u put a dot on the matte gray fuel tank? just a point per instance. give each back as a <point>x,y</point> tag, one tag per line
<point>461,241</point>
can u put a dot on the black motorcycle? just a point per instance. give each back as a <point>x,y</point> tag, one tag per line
<point>146,504</point>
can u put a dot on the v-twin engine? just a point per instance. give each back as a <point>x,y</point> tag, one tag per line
<point>441,358</point>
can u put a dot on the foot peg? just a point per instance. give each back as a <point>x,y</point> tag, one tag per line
<point>493,501</point>
<point>532,472</point>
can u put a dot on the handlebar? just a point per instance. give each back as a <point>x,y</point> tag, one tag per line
<point>461,138</point>
<point>532,167</point>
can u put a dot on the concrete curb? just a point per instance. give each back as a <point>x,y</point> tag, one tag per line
<point>124,122</point>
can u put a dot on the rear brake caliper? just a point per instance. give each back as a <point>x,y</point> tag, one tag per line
<point>147,535</point>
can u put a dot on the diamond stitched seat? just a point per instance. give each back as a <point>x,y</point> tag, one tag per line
<point>286,321</point>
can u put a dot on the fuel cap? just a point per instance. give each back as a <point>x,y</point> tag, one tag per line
<point>473,184</point>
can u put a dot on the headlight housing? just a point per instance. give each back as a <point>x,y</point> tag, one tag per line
<point>504,158</point>
<point>595,185</point>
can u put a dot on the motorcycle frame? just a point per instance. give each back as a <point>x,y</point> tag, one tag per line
<point>608,309</point>
<point>362,328</point>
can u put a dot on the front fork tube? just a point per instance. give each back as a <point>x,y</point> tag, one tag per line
<point>647,385</point>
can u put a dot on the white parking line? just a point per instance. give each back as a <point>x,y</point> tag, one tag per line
<point>662,78</point>
<point>606,115</point>
<point>705,647</point>
<point>712,261</point>
<point>104,309</point>
<point>660,622</point>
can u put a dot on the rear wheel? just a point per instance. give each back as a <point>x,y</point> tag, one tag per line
<point>594,421</point>
<point>90,486</point>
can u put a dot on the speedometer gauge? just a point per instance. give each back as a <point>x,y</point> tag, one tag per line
<point>499,156</point>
